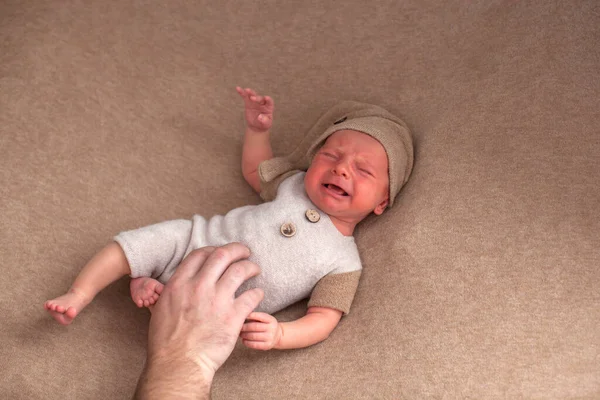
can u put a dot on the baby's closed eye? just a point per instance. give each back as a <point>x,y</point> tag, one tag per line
<point>329,155</point>
<point>365,170</point>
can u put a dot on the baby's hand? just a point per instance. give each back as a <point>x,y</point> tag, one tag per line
<point>261,331</point>
<point>259,110</point>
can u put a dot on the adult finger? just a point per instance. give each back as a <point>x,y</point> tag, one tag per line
<point>245,303</point>
<point>219,260</point>
<point>237,273</point>
<point>190,265</point>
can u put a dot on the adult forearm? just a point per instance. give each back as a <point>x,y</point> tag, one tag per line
<point>173,379</point>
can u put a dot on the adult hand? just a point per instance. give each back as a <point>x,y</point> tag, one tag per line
<point>196,322</point>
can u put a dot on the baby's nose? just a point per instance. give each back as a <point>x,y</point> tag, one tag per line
<point>341,169</point>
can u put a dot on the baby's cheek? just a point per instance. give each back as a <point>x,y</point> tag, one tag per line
<point>311,180</point>
<point>382,189</point>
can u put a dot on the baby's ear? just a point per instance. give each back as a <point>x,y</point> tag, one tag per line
<point>381,206</point>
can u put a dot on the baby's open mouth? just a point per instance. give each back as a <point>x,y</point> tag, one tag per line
<point>336,189</point>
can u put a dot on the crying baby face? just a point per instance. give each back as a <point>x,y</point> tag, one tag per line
<point>348,177</point>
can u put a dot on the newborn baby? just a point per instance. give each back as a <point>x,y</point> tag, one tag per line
<point>301,237</point>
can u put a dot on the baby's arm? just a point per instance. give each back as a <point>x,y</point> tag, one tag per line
<point>257,146</point>
<point>263,332</point>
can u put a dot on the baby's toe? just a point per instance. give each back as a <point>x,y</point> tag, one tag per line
<point>159,288</point>
<point>71,312</point>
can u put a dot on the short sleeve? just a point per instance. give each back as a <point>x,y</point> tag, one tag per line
<point>270,183</point>
<point>335,291</point>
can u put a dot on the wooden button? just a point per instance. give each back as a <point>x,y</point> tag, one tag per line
<point>288,229</point>
<point>312,215</point>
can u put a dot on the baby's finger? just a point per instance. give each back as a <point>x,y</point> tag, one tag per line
<point>254,327</point>
<point>250,92</point>
<point>259,316</point>
<point>255,336</point>
<point>256,345</point>
<point>268,101</point>
<point>257,99</point>
<point>241,92</point>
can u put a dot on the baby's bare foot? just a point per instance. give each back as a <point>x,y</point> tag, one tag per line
<point>66,307</point>
<point>145,291</point>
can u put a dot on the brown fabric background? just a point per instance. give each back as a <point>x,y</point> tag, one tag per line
<point>481,282</point>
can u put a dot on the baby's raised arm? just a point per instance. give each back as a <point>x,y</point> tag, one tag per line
<point>257,146</point>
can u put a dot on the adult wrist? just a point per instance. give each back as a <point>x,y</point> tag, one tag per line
<point>174,378</point>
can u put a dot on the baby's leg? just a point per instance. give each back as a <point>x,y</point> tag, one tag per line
<point>145,291</point>
<point>66,307</point>
<point>106,267</point>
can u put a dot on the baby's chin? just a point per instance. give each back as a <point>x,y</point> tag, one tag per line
<point>326,206</point>
<point>316,200</point>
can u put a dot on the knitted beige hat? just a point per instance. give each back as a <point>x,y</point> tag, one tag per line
<point>388,129</point>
